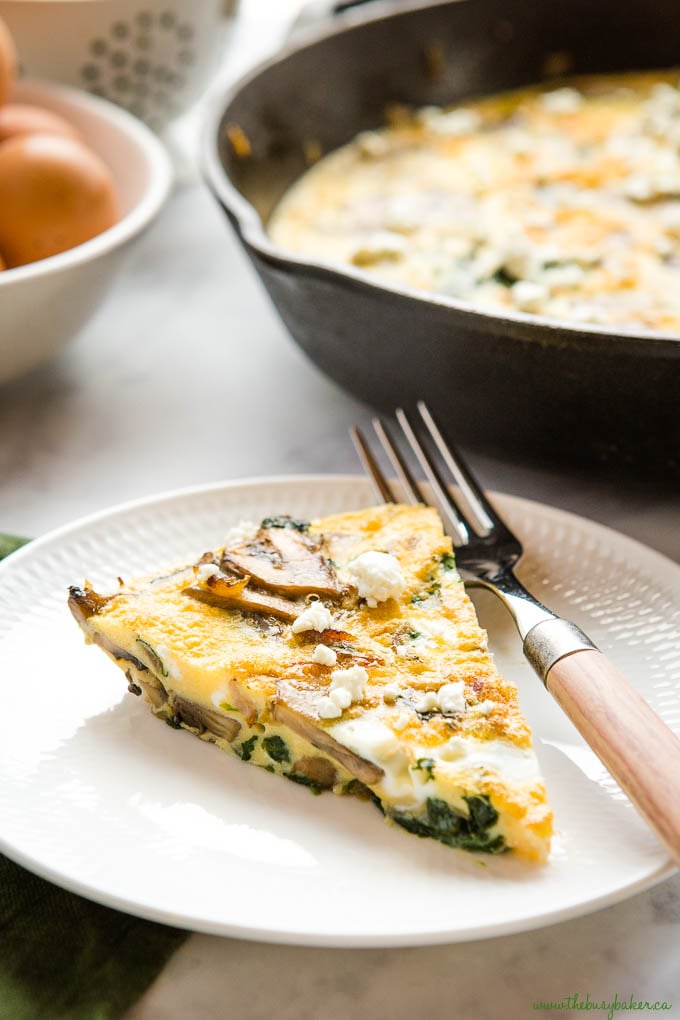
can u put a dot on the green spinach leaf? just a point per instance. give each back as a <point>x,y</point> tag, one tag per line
<point>296,777</point>
<point>245,750</point>
<point>285,522</point>
<point>443,823</point>
<point>276,748</point>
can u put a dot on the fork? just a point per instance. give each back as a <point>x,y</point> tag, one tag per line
<point>641,753</point>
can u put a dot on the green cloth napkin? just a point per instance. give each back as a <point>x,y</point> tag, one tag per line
<point>8,544</point>
<point>63,957</point>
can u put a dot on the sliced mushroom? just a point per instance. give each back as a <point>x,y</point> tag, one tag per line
<point>156,664</point>
<point>140,679</point>
<point>265,624</point>
<point>133,686</point>
<point>85,602</point>
<point>341,643</point>
<point>333,637</point>
<point>242,702</point>
<point>250,600</point>
<point>318,770</point>
<point>205,719</point>
<point>306,727</point>
<point>115,650</point>
<point>153,688</point>
<point>287,561</point>
<point>227,586</point>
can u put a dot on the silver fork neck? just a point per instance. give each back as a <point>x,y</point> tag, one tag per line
<point>546,638</point>
<point>525,610</point>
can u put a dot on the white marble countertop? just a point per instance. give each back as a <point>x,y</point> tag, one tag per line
<point>184,359</point>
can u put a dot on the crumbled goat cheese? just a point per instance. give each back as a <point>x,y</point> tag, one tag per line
<point>449,699</point>
<point>455,122</point>
<point>485,707</point>
<point>527,262</point>
<point>670,219</point>
<point>426,113</point>
<point>519,258</point>
<point>324,656</point>
<point>436,628</point>
<point>414,647</point>
<point>427,702</point>
<point>241,532</point>
<point>664,247</point>
<point>643,188</point>
<point>564,100</point>
<point>315,617</point>
<point>540,218</point>
<point>663,94</point>
<point>327,709</point>
<point>352,681</point>
<point>662,109</point>
<point>368,737</point>
<point>638,188</point>
<point>347,686</point>
<point>404,213</point>
<point>378,577</point>
<point>206,570</point>
<point>452,698</point>
<point>381,246</point>
<point>518,142</point>
<point>569,274</point>
<point>390,693</point>
<point>529,296</point>
<point>372,144</point>
<point>341,697</point>
<point>453,749</point>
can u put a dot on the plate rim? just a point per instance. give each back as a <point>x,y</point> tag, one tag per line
<point>169,495</point>
<point>385,940</point>
<point>290,935</point>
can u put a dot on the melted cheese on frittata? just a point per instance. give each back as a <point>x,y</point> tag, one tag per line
<point>424,712</point>
<point>559,201</point>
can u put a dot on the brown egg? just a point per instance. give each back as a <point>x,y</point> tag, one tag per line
<point>8,62</point>
<point>55,193</point>
<point>24,119</point>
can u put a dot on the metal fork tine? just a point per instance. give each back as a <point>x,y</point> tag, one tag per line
<point>446,502</point>
<point>371,465</point>
<point>475,498</point>
<point>397,461</point>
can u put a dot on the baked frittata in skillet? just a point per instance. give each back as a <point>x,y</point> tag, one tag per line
<point>561,200</point>
<point>341,654</point>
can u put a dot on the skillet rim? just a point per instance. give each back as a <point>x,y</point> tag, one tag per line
<point>253,234</point>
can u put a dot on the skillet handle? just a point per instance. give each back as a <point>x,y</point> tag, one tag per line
<point>340,6</point>
<point>314,11</point>
<point>636,746</point>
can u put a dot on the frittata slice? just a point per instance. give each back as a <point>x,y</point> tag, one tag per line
<point>342,654</point>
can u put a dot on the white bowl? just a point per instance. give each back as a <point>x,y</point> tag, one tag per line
<point>45,303</point>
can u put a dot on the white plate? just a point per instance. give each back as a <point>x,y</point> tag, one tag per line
<point>99,797</point>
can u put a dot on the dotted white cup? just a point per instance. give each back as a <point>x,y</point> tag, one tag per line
<point>152,57</point>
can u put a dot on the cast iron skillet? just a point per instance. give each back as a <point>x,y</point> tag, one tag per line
<point>505,382</point>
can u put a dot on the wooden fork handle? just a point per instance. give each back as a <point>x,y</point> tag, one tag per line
<point>636,746</point>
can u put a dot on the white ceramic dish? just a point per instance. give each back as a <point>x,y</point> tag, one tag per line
<point>45,303</point>
<point>152,57</point>
<point>98,796</point>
